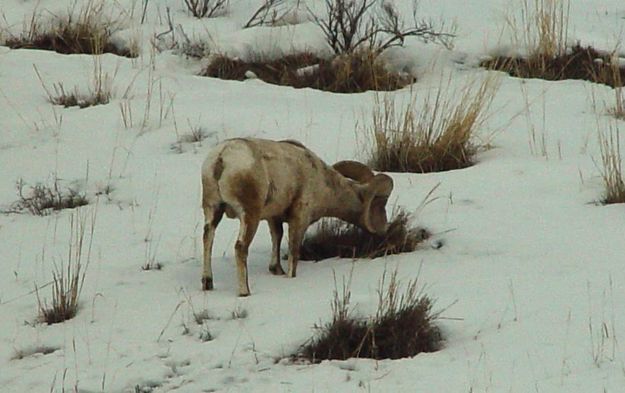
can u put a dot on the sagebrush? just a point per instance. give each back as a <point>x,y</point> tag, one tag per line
<point>42,199</point>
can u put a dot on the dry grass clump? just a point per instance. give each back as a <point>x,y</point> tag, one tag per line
<point>69,276</point>
<point>99,92</point>
<point>66,287</point>
<point>402,327</point>
<point>334,238</point>
<point>349,73</point>
<point>618,110</point>
<point>611,166</point>
<point>437,135</point>
<point>582,63</point>
<point>81,31</point>
<point>542,28</point>
<point>69,98</point>
<point>41,199</point>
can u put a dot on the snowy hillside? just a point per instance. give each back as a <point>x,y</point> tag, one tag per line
<point>530,276</point>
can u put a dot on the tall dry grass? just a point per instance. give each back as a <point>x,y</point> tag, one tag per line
<point>83,29</point>
<point>611,167</point>
<point>69,275</point>
<point>438,133</point>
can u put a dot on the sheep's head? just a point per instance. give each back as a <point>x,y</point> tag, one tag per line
<point>374,191</point>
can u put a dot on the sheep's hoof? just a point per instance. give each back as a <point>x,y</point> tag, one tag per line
<point>244,294</point>
<point>291,274</point>
<point>276,269</point>
<point>207,283</point>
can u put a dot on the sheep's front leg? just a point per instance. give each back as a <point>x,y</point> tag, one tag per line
<point>247,230</point>
<point>212,216</point>
<point>296,234</point>
<point>276,229</point>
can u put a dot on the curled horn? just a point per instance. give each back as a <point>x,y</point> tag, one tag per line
<point>354,170</point>
<point>382,185</point>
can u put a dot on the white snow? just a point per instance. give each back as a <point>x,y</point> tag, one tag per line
<point>531,265</point>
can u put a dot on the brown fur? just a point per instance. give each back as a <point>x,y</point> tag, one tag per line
<point>247,192</point>
<point>218,169</point>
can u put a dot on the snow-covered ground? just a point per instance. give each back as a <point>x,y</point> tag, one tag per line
<point>532,265</point>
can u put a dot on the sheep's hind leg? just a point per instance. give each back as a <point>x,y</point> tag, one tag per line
<point>296,234</point>
<point>247,230</point>
<point>276,229</point>
<point>212,216</point>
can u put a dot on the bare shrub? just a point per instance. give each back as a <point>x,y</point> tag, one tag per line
<point>402,326</point>
<point>82,30</point>
<point>351,24</point>
<point>206,8</point>
<point>439,136</point>
<point>334,238</point>
<point>68,277</point>
<point>41,199</point>
<point>266,14</point>
<point>355,72</point>
<point>610,166</point>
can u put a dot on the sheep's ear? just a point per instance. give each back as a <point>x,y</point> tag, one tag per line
<point>354,170</point>
<point>376,197</point>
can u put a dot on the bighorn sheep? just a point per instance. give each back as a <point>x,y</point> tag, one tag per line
<point>257,179</point>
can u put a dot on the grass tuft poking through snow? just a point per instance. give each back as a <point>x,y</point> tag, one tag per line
<point>438,135</point>
<point>348,73</point>
<point>69,276</point>
<point>611,166</point>
<point>334,238</point>
<point>402,326</point>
